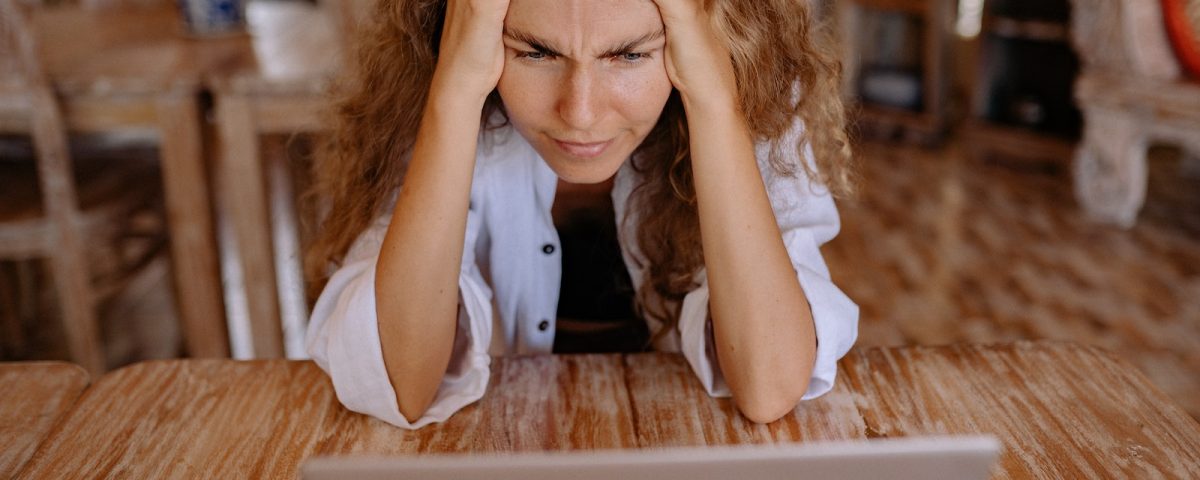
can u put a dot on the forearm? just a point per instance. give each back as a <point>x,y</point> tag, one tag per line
<point>762,323</point>
<point>416,283</point>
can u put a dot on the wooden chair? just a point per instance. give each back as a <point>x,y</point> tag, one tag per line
<point>86,218</point>
<point>1132,93</point>
<point>282,95</point>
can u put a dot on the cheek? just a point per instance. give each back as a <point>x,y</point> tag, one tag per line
<point>641,95</point>
<point>524,96</point>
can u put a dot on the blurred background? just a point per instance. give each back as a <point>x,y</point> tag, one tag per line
<point>1029,169</point>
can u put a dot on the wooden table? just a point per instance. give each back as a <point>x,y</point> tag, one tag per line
<point>1061,411</point>
<point>134,69</point>
<point>33,396</point>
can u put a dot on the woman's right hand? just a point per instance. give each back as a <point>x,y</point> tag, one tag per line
<point>471,52</point>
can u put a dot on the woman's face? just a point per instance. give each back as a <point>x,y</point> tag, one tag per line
<point>584,80</point>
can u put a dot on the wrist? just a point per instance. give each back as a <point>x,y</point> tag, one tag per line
<point>453,90</point>
<point>709,105</point>
<point>718,131</point>
<point>714,114</point>
<point>447,103</point>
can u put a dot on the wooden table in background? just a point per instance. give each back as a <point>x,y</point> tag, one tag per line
<point>135,69</point>
<point>1061,411</point>
<point>33,396</point>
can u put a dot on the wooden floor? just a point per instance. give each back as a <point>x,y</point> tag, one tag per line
<point>939,249</point>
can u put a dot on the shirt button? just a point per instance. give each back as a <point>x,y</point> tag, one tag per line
<point>547,249</point>
<point>545,324</point>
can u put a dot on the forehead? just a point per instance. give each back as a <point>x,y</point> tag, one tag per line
<point>583,21</point>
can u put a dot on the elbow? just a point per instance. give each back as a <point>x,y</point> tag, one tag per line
<point>414,393</point>
<point>772,399</point>
<point>412,408</point>
<point>767,407</point>
<point>415,369</point>
<point>412,413</point>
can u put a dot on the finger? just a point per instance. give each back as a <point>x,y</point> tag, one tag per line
<point>678,10</point>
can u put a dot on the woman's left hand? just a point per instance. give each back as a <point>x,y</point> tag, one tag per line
<point>696,57</point>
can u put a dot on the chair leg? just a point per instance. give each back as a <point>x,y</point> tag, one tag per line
<point>1110,167</point>
<point>286,238</point>
<point>11,328</point>
<point>72,283</point>
<point>28,289</point>
<point>245,198</point>
<point>1190,164</point>
<point>68,257</point>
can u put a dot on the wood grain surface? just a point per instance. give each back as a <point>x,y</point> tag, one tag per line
<point>33,396</point>
<point>674,410</point>
<point>533,403</point>
<point>1061,411</point>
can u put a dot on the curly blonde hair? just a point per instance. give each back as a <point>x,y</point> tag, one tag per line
<point>785,69</point>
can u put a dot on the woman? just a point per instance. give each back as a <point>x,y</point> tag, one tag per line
<point>691,118</point>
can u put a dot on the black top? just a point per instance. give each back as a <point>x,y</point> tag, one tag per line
<point>595,303</point>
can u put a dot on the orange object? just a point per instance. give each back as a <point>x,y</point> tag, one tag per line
<point>1183,26</point>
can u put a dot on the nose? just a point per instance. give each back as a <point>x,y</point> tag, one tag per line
<point>580,99</point>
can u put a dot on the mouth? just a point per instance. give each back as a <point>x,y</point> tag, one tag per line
<point>583,150</point>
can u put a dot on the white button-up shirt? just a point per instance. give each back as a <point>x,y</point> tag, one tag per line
<point>510,276</point>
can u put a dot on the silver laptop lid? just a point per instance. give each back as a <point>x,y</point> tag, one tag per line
<point>965,458</point>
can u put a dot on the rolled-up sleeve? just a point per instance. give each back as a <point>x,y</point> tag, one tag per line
<point>343,336</point>
<point>807,218</point>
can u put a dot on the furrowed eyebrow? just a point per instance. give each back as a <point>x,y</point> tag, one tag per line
<point>543,46</point>
<point>536,43</point>
<point>628,46</point>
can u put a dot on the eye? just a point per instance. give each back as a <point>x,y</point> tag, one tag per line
<point>632,57</point>
<point>535,56</point>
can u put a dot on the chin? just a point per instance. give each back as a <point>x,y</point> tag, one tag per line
<point>583,170</point>
<point>589,171</point>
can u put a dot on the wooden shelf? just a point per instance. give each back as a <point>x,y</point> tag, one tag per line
<point>1020,29</point>
<point>1023,60</point>
<point>888,123</point>
<point>915,7</point>
<point>923,126</point>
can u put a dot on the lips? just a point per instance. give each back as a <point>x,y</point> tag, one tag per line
<point>583,150</point>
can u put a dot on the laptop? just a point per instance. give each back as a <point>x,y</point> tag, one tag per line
<point>964,458</point>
